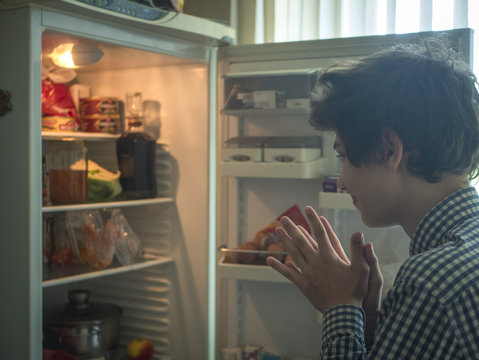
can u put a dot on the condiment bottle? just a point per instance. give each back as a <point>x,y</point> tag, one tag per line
<point>68,172</point>
<point>136,153</point>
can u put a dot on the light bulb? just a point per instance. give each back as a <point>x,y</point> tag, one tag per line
<point>62,56</point>
<point>74,55</point>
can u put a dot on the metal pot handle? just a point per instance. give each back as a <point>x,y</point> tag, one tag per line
<point>79,299</point>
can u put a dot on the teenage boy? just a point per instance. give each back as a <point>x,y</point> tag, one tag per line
<point>407,133</point>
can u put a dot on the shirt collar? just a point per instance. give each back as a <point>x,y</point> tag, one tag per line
<point>451,211</point>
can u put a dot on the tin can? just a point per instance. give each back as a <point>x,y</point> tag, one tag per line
<point>109,124</point>
<point>99,106</point>
<point>58,123</point>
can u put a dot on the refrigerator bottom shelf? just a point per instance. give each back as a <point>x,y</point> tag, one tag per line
<point>249,272</point>
<point>53,276</point>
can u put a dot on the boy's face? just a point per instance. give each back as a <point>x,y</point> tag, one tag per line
<point>371,187</point>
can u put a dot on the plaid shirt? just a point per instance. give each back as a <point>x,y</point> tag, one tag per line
<point>432,311</point>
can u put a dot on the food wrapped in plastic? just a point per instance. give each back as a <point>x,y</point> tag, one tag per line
<point>128,246</point>
<point>92,245</point>
<point>57,101</point>
<point>62,251</point>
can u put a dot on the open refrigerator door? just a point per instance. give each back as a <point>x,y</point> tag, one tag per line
<point>269,165</point>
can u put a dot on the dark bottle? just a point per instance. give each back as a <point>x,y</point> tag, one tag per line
<point>136,155</point>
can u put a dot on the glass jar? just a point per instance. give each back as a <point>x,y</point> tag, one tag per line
<point>136,153</point>
<point>68,172</point>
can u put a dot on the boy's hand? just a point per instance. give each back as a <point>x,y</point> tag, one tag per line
<point>322,272</point>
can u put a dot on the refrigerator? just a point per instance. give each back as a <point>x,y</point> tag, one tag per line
<point>180,293</point>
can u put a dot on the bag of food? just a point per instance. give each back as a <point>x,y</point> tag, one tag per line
<point>57,101</point>
<point>92,245</point>
<point>62,250</point>
<point>128,245</point>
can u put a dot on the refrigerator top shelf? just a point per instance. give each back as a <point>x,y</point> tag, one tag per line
<point>110,204</point>
<point>78,135</point>
<point>54,276</point>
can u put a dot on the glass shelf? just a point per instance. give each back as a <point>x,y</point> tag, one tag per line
<point>78,135</point>
<point>109,204</point>
<point>56,275</point>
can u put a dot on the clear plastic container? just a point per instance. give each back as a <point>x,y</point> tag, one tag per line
<point>293,149</point>
<point>244,148</point>
<point>68,172</point>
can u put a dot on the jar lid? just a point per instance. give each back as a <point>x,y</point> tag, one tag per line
<point>80,310</point>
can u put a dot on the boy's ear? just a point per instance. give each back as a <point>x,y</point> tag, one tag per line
<point>393,151</point>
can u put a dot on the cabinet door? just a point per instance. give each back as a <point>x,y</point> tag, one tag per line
<point>20,156</point>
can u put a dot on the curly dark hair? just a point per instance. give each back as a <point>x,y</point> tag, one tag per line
<point>425,93</point>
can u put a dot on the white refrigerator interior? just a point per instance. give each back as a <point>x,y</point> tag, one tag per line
<point>165,303</point>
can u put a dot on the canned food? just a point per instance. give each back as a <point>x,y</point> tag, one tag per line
<point>99,105</point>
<point>58,123</point>
<point>100,123</point>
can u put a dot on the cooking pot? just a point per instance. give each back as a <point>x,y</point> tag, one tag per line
<point>82,328</point>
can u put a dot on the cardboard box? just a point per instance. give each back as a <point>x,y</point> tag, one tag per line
<point>269,99</point>
<point>300,103</point>
<point>246,99</point>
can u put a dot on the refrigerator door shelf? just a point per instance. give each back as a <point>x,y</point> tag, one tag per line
<point>292,170</point>
<point>249,272</point>
<point>266,112</point>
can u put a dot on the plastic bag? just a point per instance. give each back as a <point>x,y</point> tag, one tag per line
<point>128,246</point>
<point>91,243</point>
<point>103,185</point>
<point>57,101</point>
<point>57,74</point>
<point>62,251</point>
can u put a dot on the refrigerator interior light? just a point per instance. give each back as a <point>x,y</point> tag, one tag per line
<point>74,55</point>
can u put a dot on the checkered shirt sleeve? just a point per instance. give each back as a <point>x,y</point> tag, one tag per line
<point>343,333</point>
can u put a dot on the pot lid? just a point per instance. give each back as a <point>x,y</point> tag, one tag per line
<point>80,310</point>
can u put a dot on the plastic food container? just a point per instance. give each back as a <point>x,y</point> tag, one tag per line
<point>100,114</point>
<point>293,149</point>
<point>58,123</point>
<point>244,148</point>
<point>99,106</point>
<point>109,124</point>
<point>68,172</point>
